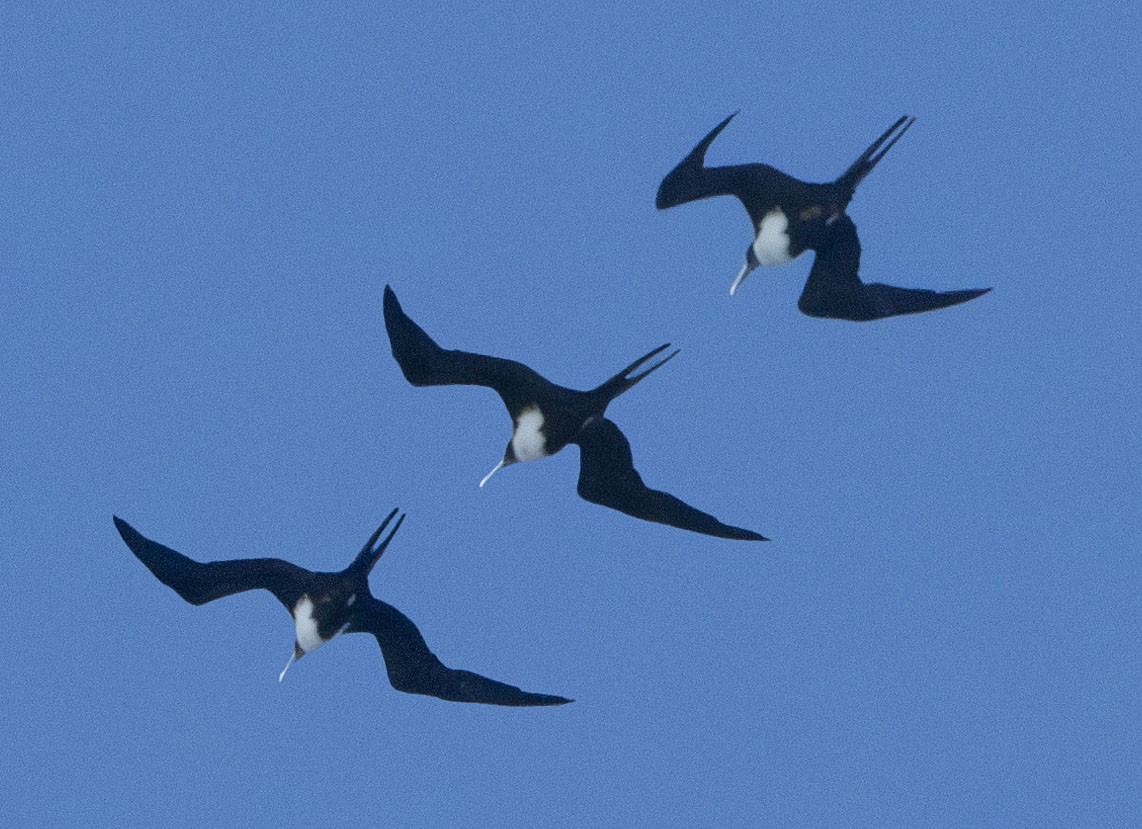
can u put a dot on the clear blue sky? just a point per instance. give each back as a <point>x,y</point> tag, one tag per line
<point>200,210</point>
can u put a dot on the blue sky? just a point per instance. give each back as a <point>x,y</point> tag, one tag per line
<point>200,211</point>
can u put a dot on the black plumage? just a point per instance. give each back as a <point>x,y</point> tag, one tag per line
<point>547,417</point>
<point>326,604</point>
<point>791,216</point>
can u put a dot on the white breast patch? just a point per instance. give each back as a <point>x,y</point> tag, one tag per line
<point>306,625</point>
<point>528,442</point>
<point>771,247</point>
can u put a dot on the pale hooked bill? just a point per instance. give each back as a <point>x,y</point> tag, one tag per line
<point>495,469</point>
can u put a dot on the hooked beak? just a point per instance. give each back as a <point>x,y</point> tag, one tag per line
<point>747,268</point>
<point>298,653</point>
<point>495,469</point>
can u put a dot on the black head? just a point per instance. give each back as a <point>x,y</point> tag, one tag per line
<point>508,459</point>
<point>751,258</point>
<point>751,264</point>
<point>323,612</point>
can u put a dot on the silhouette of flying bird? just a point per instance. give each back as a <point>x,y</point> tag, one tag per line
<point>326,604</point>
<point>547,417</point>
<point>791,216</point>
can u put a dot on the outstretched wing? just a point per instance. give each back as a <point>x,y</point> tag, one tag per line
<point>834,288</point>
<point>425,363</point>
<point>754,185</point>
<point>199,583</point>
<point>607,476</point>
<point>414,669</point>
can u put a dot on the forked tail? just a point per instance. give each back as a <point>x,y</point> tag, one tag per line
<point>625,380</point>
<point>871,157</point>
<point>367,559</point>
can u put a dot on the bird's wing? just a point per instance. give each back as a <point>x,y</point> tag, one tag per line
<point>754,185</point>
<point>834,288</point>
<point>425,363</point>
<point>199,583</point>
<point>607,476</point>
<point>414,669</point>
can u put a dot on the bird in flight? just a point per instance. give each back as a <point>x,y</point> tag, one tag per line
<point>791,216</point>
<point>324,605</point>
<point>547,417</point>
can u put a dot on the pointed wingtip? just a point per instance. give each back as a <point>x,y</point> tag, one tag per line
<point>533,700</point>
<point>739,534</point>
<point>682,184</point>
<point>950,298</point>
<point>126,531</point>
<point>969,294</point>
<point>725,121</point>
<point>698,154</point>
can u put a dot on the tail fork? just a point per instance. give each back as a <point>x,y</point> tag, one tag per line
<point>860,168</point>
<point>367,559</point>
<point>625,380</point>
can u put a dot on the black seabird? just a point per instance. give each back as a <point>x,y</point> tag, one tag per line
<point>791,216</point>
<point>326,604</point>
<point>547,417</point>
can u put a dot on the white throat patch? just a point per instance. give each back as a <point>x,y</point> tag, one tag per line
<point>528,443</point>
<point>771,247</point>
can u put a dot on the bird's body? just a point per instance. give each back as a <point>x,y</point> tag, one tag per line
<point>546,417</point>
<point>791,216</point>
<point>308,626</point>
<point>324,605</point>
